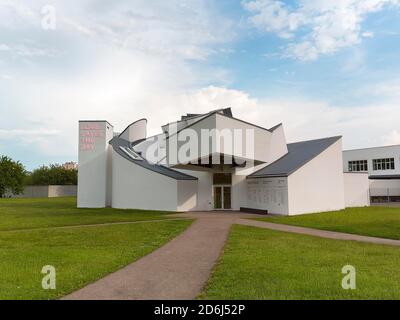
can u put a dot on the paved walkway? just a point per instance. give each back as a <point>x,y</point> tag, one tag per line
<point>180,268</point>
<point>177,270</point>
<point>318,233</point>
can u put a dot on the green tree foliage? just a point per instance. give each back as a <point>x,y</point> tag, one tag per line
<point>53,175</point>
<point>12,176</point>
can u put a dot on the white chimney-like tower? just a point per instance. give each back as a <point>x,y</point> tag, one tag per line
<point>94,173</point>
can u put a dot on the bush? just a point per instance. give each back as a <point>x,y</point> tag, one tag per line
<point>12,176</point>
<point>53,175</point>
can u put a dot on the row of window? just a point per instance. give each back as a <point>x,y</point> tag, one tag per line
<point>383,164</point>
<point>377,164</point>
<point>358,165</point>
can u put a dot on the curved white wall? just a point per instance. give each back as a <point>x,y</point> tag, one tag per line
<point>134,187</point>
<point>136,131</point>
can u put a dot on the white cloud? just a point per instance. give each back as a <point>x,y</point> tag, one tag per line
<point>187,29</point>
<point>14,12</point>
<point>302,118</point>
<point>306,119</point>
<point>135,86</point>
<point>392,138</point>
<point>316,27</point>
<point>128,60</point>
<point>39,139</point>
<point>27,50</point>
<point>4,48</point>
<point>274,16</point>
<point>367,34</point>
<point>117,60</point>
<point>6,76</point>
<point>388,89</point>
<point>27,135</point>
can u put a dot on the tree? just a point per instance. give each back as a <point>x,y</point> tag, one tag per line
<point>12,175</point>
<point>53,175</point>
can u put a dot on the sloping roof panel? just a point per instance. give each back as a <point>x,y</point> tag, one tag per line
<point>118,142</point>
<point>275,127</point>
<point>299,154</point>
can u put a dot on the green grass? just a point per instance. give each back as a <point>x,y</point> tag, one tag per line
<point>381,222</point>
<point>265,264</point>
<point>54,212</point>
<point>80,255</point>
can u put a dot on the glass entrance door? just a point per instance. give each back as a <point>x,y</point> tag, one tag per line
<point>227,197</point>
<point>217,197</point>
<point>222,197</point>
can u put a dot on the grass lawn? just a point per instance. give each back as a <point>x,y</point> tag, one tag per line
<point>381,222</point>
<point>80,255</point>
<point>265,264</point>
<point>52,212</point>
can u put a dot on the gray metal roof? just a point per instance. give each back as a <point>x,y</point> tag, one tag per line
<point>117,142</point>
<point>275,127</point>
<point>226,111</point>
<point>298,155</point>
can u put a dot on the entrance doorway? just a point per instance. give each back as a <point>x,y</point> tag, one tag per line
<point>222,197</point>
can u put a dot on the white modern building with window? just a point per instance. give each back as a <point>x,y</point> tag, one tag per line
<point>382,164</point>
<point>213,161</point>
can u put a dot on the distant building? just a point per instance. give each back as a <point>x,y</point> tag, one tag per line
<point>383,167</point>
<point>71,165</point>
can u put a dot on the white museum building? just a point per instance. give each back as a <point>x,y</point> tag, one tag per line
<point>382,164</point>
<point>213,161</point>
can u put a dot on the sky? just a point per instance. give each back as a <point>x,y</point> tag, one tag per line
<point>322,67</point>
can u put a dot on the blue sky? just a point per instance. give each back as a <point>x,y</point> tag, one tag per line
<point>321,67</point>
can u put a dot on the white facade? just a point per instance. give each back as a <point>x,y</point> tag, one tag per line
<point>318,185</point>
<point>382,165</point>
<point>369,154</point>
<point>356,189</point>
<point>228,164</point>
<point>269,194</point>
<point>94,176</point>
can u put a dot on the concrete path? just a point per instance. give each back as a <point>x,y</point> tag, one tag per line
<point>317,232</point>
<point>177,270</point>
<point>181,268</point>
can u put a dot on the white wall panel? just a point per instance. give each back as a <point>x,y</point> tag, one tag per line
<point>374,153</point>
<point>356,189</point>
<point>187,195</point>
<point>318,185</point>
<point>204,189</point>
<point>268,194</point>
<point>93,175</point>
<point>140,188</point>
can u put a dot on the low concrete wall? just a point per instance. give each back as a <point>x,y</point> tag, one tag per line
<point>62,191</point>
<point>46,192</point>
